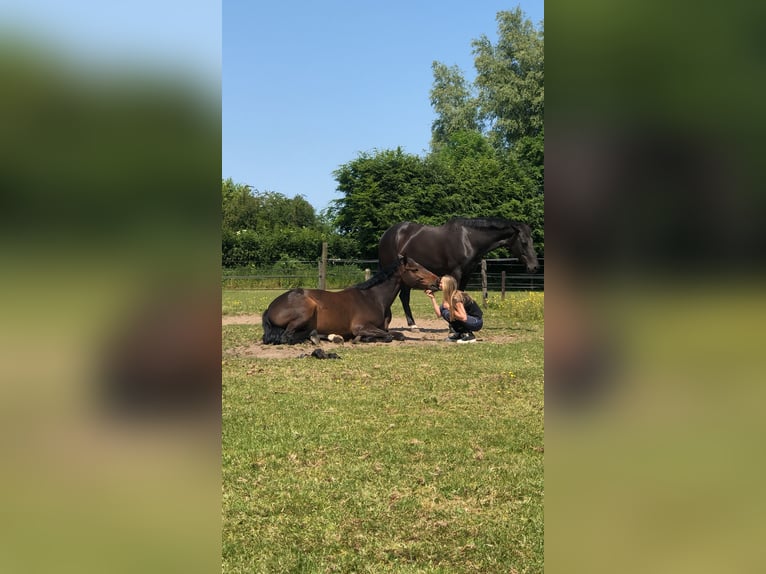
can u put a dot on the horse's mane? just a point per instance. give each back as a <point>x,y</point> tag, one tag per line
<point>379,277</point>
<point>484,222</point>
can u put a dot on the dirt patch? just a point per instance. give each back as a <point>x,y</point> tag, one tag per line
<point>429,332</point>
<point>241,320</point>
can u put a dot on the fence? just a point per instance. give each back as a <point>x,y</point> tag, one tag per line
<point>498,275</point>
<point>507,274</point>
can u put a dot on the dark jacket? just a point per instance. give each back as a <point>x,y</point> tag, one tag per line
<point>471,307</point>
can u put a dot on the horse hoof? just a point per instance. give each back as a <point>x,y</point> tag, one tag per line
<point>314,338</point>
<point>335,339</point>
<point>414,327</point>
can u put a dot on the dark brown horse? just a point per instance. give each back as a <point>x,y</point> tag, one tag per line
<point>456,247</point>
<point>361,312</point>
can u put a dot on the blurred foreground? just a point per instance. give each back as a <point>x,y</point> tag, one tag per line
<point>110,336</point>
<point>654,288</point>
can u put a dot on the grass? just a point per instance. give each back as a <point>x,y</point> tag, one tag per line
<point>517,307</point>
<point>414,458</point>
<point>289,274</point>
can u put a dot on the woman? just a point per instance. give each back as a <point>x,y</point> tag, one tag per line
<point>461,312</point>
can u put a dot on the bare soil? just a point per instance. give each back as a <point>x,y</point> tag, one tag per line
<point>430,331</point>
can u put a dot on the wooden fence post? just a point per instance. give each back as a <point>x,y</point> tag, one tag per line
<point>484,281</point>
<point>502,285</point>
<point>323,267</point>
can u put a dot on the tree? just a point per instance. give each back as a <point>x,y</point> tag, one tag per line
<point>239,209</point>
<point>456,109</point>
<point>246,208</point>
<point>477,181</point>
<point>470,170</point>
<point>488,136</point>
<point>380,189</point>
<point>510,80</point>
<point>279,211</point>
<point>263,227</point>
<point>465,177</point>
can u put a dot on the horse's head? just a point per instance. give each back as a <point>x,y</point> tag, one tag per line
<point>521,245</point>
<point>414,275</point>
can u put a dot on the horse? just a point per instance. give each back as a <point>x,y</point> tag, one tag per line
<point>455,248</point>
<point>360,312</point>
<point>164,357</point>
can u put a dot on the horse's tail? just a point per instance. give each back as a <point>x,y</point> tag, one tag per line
<point>272,334</point>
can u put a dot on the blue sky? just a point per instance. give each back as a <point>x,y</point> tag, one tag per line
<point>307,86</point>
<point>178,35</point>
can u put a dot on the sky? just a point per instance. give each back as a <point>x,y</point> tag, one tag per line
<point>305,86</point>
<point>308,86</point>
<point>180,35</point>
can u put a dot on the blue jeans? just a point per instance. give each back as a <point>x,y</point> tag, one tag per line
<point>470,324</point>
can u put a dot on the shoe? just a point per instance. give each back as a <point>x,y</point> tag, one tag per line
<point>453,337</point>
<point>467,338</point>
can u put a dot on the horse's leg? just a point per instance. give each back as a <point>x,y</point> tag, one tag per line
<point>317,337</point>
<point>370,333</point>
<point>297,332</point>
<point>303,325</point>
<point>404,297</point>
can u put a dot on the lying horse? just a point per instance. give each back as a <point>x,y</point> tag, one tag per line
<point>361,312</point>
<point>456,247</point>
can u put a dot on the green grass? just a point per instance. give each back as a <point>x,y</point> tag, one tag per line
<point>517,307</point>
<point>288,274</point>
<point>406,458</point>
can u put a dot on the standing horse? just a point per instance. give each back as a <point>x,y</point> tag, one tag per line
<point>361,312</point>
<point>455,247</point>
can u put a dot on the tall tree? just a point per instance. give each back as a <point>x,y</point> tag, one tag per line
<point>470,172</point>
<point>455,107</point>
<point>380,189</point>
<point>239,208</point>
<point>262,227</point>
<point>279,211</point>
<point>486,147</point>
<point>246,208</point>
<point>510,79</point>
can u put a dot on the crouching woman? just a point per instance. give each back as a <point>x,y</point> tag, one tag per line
<point>461,312</point>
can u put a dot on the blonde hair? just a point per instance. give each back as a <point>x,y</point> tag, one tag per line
<point>451,293</point>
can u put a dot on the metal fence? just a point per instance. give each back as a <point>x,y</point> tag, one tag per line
<point>507,275</point>
<point>500,275</point>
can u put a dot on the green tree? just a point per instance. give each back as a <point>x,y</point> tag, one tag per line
<point>477,181</point>
<point>279,211</point>
<point>465,177</point>
<point>240,210</point>
<point>245,208</point>
<point>455,107</point>
<point>470,170</point>
<point>491,145</point>
<point>380,188</point>
<point>263,227</point>
<point>510,79</point>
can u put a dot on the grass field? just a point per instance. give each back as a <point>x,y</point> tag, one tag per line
<point>415,458</point>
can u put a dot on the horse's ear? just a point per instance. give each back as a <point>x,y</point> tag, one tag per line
<point>402,258</point>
